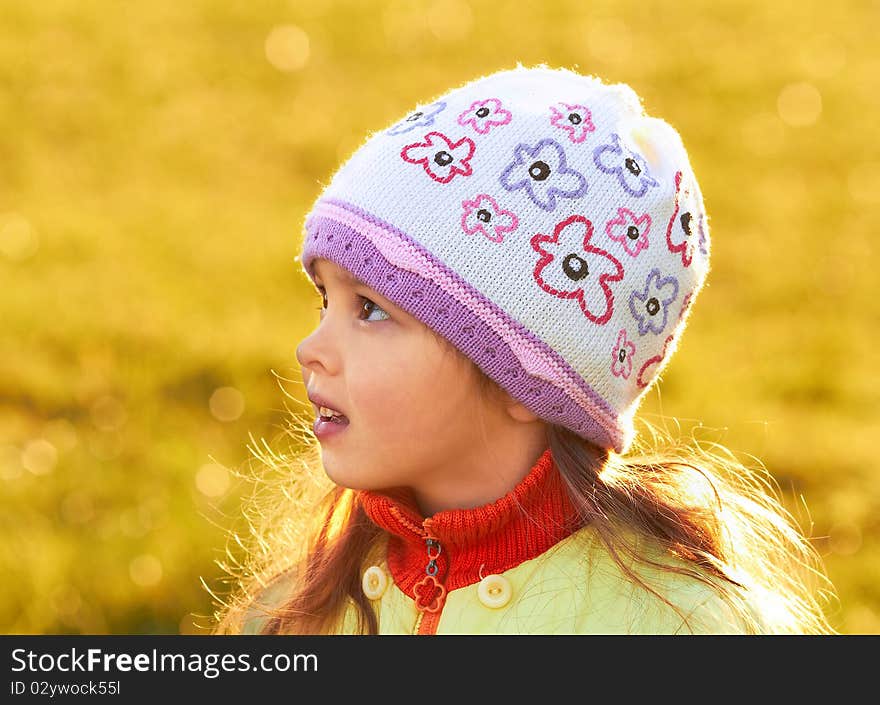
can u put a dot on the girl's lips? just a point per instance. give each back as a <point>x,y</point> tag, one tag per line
<point>318,401</point>
<point>325,429</point>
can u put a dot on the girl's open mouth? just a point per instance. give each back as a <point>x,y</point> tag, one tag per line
<point>327,426</point>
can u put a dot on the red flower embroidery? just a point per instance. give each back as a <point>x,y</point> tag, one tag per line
<point>680,229</point>
<point>645,377</point>
<point>429,594</point>
<point>571,268</point>
<point>441,158</point>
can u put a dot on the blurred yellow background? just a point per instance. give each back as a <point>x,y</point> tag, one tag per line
<point>157,160</point>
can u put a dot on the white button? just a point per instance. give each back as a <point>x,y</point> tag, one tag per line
<point>374,583</point>
<point>494,591</point>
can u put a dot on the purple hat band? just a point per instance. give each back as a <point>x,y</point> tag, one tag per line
<point>403,271</point>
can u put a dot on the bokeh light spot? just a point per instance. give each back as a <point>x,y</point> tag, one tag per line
<point>145,570</point>
<point>212,479</point>
<point>287,47</point>
<point>18,241</point>
<point>39,457</point>
<point>799,104</point>
<point>226,404</point>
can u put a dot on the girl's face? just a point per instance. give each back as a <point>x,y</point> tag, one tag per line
<point>416,413</point>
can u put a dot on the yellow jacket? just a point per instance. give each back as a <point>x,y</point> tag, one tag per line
<point>516,566</point>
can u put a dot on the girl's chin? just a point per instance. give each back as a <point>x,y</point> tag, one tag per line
<point>354,482</point>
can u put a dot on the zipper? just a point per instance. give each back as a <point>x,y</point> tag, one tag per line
<point>430,592</point>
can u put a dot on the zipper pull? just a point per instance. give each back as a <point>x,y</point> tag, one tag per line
<point>429,591</point>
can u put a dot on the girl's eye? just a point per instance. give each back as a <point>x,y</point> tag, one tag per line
<point>372,306</point>
<point>367,306</point>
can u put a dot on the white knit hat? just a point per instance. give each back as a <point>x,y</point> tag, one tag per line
<point>540,221</point>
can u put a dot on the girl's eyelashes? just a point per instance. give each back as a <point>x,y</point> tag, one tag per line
<point>366,305</point>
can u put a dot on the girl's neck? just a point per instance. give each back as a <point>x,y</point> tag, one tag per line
<point>481,477</point>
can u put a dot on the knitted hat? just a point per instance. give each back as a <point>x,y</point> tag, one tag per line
<point>541,222</point>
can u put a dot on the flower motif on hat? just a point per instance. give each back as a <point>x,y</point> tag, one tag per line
<point>571,268</point>
<point>629,230</point>
<point>420,118</point>
<point>649,368</point>
<point>483,114</point>
<point>544,173</point>
<point>575,119</point>
<point>703,242</point>
<point>622,355</point>
<point>484,215</point>
<point>681,232</point>
<point>441,157</point>
<point>630,167</point>
<point>649,306</point>
<point>685,304</point>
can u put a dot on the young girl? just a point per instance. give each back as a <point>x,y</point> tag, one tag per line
<point>504,273</point>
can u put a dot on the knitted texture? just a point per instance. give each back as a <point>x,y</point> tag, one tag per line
<point>493,538</point>
<point>540,221</point>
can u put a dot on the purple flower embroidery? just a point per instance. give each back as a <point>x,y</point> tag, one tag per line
<point>441,158</point>
<point>483,114</point>
<point>629,166</point>
<point>649,306</point>
<point>574,119</point>
<point>484,215</point>
<point>703,242</point>
<point>542,170</point>
<point>622,355</point>
<point>420,118</point>
<point>632,232</point>
<point>680,232</point>
<point>651,366</point>
<point>571,268</point>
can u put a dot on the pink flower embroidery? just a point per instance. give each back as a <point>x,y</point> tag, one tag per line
<point>680,230</point>
<point>483,114</point>
<point>574,119</point>
<point>622,355</point>
<point>441,158</point>
<point>652,363</point>
<point>484,215</point>
<point>632,232</point>
<point>571,268</point>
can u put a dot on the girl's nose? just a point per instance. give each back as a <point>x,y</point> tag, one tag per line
<point>317,351</point>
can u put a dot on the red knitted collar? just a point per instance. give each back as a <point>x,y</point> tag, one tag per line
<point>474,543</point>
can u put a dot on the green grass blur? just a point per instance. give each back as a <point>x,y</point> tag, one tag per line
<point>156,163</point>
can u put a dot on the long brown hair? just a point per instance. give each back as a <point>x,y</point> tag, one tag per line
<point>309,540</point>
